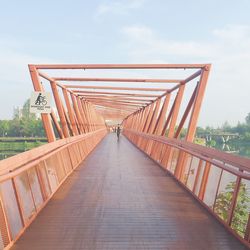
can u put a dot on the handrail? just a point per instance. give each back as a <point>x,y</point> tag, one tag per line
<point>33,156</point>
<point>29,180</point>
<point>207,153</point>
<point>218,180</point>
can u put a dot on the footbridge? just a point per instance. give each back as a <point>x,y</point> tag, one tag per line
<point>147,189</point>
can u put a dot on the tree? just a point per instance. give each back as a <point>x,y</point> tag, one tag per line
<point>247,119</point>
<point>226,127</point>
<point>223,204</point>
<point>4,127</point>
<point>26,111</point>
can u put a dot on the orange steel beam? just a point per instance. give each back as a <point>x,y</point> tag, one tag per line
<point>88,114</point>
<point>67,120</point>
<point>190,78</point>
<point>120,98</point>
<point>116,100</point>
<point>83,117</point>
<point>154,118</point>
<point>106,112</point>
<point>77,112</point>
<point>116,108</point>
<point>197,104</point>
<point>186,113</point>
<point>111,112</point>
<point>50,79</point>
<point>120,66</point>
<point>113,93</point>
<point>150,114</point>
<point>162,116</point>
<point>130,110</point>
<point>60,109</point>
<point>97,106</point>
<point>81,79</point>
<point>70,111</point>
<point>45,117</point>
<point>58,128</point>
<point>162,95</point>
<point>138,107</point>
<point>176,111</point>
<point>116,105</point>
<point>115,88</point>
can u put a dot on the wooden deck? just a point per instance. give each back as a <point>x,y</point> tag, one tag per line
<point>120,199</point>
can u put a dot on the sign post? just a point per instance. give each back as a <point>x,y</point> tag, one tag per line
<point>40,102</point>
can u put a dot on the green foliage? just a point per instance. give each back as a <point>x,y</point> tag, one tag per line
<point>242,129</point>
<point>223,204</point>
<point>211,143</point>
<point>248,119</point>
<point>26,126</point>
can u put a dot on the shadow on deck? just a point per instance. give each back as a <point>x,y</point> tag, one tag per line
<point>120,199</point>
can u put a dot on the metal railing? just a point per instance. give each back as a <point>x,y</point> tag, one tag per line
<point>28,180</point>
<point>219,181</point>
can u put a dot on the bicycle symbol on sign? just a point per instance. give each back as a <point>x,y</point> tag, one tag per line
<point>41,100</point>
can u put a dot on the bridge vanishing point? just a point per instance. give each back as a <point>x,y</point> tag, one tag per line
<point>147,190</point>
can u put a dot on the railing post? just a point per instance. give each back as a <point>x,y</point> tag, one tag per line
<point>204,181</point>
<point>234,201</point>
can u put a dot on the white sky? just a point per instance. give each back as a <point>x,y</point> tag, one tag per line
<point>131,31</point>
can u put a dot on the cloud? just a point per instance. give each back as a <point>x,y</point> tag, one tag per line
<point>15,84</point>
<point>118,7</point>
<point>228,50</point>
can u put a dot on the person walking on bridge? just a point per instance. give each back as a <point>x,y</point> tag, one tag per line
<point>118,131</point>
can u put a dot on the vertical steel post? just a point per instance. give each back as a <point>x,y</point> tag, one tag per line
<point>162,116</point>
<point>45,117</point>
<point>60,109</point>
<point>70,111</point>
<point>77,112</point>
<point>197,104</point>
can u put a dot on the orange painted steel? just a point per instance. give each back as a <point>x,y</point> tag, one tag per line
<point>80,79</point>
<point>146,119</point>
<point>115,88</point>
<point>131,205</point>
<point>202,172</point>
<point>28,180</point>
<point>120,66</point>
<point>45,117</point>
<point>180,82</point>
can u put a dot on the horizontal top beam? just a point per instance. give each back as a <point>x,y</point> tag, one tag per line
<point>117,107</point>
<point>80,79</point>
<point>120,66</point>
<point>118,97</point>
<point>116,88</point>
<point>118,103</point>
<point>82,92</point>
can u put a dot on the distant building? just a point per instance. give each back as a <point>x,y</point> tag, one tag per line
<point>17,112</point>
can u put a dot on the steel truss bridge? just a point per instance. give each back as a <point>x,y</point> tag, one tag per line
<point>147,190</point>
